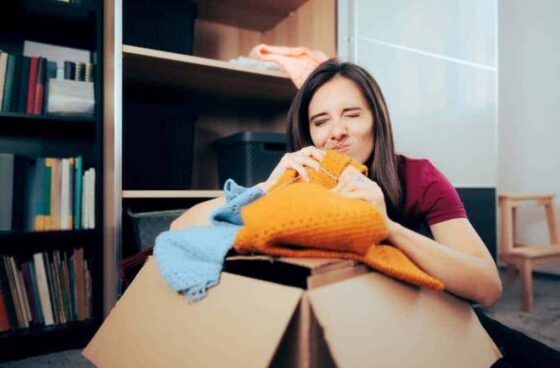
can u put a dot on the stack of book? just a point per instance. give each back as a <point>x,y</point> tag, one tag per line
<point>49,289</point>
<point>46,193</point>
<point>27,80</point>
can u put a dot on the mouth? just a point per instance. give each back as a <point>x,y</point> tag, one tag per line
<point>341,148</point>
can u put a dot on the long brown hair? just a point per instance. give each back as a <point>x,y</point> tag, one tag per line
<point>383,162</point>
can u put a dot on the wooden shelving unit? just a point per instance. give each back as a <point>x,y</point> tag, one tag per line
<point>260,15</point>
<point>205,89</point>
<point>77,26</point>
<point>204,75</point>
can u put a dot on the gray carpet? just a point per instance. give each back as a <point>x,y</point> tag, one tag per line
<point>543,324</point>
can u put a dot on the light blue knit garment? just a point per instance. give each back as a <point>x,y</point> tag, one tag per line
<point>191,260</point>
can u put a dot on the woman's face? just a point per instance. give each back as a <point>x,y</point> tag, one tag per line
<point>340,119</point>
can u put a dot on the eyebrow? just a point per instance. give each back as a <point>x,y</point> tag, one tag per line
<point>343,111</point>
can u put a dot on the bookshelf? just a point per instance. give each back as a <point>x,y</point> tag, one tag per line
<point>210,95</point>
<point>42,135</point>
<point>168,69</point>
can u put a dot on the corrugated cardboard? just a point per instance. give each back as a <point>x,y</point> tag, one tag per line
<point>345,316</point>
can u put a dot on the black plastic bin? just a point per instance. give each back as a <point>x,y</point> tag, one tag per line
<point>249,157</point>
<point>166,25</point>
<point>146,226</point>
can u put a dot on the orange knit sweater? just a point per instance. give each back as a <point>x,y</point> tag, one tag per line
<point>298,219</point>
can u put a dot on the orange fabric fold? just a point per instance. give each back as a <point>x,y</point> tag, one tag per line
<point>298,62</point>
<point>298,219</point>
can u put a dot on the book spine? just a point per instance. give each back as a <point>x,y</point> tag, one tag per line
<point>7,163</point>
<point>9,301</point>
<point>13,292</point>
<point>3,65</point>
<point>32,84</point>
<point>24,84</point>
<point>52,290</point>
<point>16,90</point>
<point>40,88</point>
<point>9,86</point>
<point>78,196</point>
<point>33,273</point>
<point>42,280</point>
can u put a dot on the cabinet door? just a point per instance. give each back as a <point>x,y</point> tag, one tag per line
<point>436,63</point>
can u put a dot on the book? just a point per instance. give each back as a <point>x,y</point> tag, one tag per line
<point>52,291</point>
<point>9,302</point>
<point>23,84</point>
<point>57,288</point>
<point>9,83</point>
<point>78,194</point>
<point>56,53</point>
<point>3,65</point>
<point>41,275</point>
<point>66,283</point>
<point>80,282</point>
<point>22,293</point>
<point>32,85</point>
<point>18,305</point>
<point>65,195</point>
<point>40,86</point>
<point>13,191</point>
<point>71,98</point>
<point>51,74</point>
<point>4,322</point>
<point>39,308</point>
<point>18,61</point>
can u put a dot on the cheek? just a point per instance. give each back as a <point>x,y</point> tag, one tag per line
<point>319,136</point>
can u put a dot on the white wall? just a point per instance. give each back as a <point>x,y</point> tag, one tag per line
<point>436,63</point>
<point>529,100</point>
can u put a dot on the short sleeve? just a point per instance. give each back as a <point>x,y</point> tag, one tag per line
<point>440,201</point>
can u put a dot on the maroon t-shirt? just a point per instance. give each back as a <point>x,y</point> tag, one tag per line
<point>430,197</point>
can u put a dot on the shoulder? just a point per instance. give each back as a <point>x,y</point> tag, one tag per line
<point>418,170</point>
<point>429,191</point>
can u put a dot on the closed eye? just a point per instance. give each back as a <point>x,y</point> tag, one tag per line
<point>319,122</point>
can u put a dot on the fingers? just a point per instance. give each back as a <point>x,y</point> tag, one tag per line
<point>350,180</point>
<point>312,151</point>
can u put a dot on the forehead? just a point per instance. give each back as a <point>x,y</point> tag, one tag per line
<point>338,93</point>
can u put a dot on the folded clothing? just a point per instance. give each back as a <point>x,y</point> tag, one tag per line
<point>297,219</point>
<point>298,62</point>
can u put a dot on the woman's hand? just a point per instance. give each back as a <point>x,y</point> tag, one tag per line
<point>353,184</point>
<point>309,156</point>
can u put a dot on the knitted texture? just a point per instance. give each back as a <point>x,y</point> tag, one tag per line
<point>309,220</point>
<point>191,260</point>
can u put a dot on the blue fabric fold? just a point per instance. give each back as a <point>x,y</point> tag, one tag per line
<point>191,260</point>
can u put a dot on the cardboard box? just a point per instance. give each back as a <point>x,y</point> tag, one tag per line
<point>346,316</point>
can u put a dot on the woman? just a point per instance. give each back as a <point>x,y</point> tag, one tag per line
<point>341,107</point>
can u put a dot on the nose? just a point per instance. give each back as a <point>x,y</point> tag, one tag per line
<point>338,130</point>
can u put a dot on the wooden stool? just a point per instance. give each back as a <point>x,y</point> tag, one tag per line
<point>524,256</point>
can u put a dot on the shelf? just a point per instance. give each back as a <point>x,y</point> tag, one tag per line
<point>28,242</point>
<point>58,10</point>
<point>21,343</point>
<point>146,194</point>
<point>45,125</point>
<point>194,73</point>
<point>258,15</point>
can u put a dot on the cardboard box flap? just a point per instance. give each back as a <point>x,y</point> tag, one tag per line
<point>373,320</point>
<point>286,271</point>
<point>238,324</point>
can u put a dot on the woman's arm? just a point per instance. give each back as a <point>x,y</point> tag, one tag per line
<point>198,215</point>
<point>457,256</point>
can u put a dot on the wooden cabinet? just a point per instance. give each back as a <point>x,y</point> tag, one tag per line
<point>41,135</point>
<point>221,97</point>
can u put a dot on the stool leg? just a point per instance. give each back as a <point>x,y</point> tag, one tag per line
<point>527,285</point>
<point>511,274</point>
